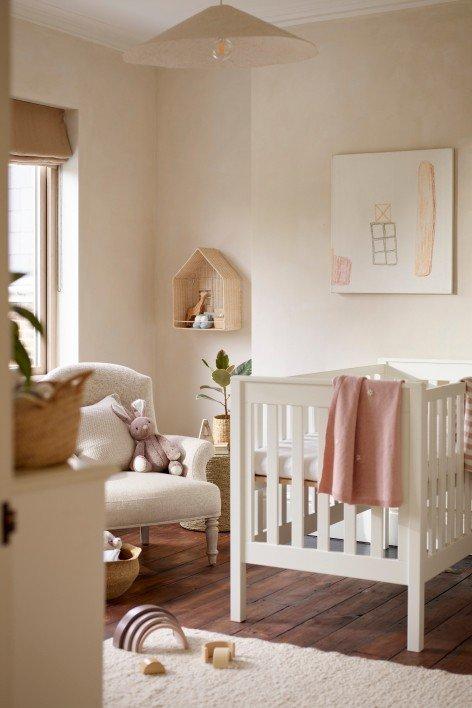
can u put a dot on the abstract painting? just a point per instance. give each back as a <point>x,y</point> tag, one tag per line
<point>392,222</point>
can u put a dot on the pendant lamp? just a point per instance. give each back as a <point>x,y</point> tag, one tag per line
<point>221,35</point>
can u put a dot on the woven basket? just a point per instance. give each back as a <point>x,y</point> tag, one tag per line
<point>217,471</point>
<point>46,429</point>
<point>122,573</point>
<point>221,429</point>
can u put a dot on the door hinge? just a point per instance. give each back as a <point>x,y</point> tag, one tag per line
<point>8,522</point>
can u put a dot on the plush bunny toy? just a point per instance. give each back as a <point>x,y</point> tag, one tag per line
<point>153,452</point>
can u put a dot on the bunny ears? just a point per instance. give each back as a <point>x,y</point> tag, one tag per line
<point>138,406</point>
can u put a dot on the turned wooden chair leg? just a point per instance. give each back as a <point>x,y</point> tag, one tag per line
<point>211,532</point>
<point>144,531</point>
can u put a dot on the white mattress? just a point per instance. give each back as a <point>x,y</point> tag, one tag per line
<point>310,460</point>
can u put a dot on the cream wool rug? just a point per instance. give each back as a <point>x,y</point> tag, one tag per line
<point>267,674</point>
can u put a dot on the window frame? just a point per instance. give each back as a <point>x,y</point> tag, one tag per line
<point>47,258</point>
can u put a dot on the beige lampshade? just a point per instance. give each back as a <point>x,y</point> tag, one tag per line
<point>190,44</point>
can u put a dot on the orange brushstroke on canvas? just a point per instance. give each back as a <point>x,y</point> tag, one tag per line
<point>426,226</point>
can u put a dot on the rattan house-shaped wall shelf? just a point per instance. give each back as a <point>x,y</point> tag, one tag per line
<point>208,271</point>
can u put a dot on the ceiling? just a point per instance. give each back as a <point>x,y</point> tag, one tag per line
<point>122,23</point>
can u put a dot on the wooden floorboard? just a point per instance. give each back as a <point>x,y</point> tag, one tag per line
<point>355,617</point>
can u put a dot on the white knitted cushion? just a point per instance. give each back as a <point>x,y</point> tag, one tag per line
<point>103,437</point>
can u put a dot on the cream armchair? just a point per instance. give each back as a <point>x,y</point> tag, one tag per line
<point>146,499</point>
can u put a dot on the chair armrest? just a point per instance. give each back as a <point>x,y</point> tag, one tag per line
<point>196,454</point>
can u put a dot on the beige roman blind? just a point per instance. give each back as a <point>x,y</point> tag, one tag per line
<point>38,134</point>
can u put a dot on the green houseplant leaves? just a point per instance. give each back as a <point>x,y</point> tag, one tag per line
<point>221,375</point>
<point>19,353</point>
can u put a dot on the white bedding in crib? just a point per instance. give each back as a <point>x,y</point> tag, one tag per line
<point>310,459</point>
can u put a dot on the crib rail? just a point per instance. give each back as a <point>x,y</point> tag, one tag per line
<point>278,517</point>
<point>449,487</point>
<point>284,512</point>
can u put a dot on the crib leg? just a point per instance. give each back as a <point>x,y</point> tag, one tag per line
<point>415,640</point>
<point>240,525</point>
<point>238,590</point>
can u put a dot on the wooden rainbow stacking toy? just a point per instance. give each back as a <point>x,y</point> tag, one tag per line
<point>139,622</point>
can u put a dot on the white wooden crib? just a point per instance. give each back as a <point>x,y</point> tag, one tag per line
<point>277,441</point>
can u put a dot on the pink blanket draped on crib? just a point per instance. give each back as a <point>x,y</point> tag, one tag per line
<point>362,457</point>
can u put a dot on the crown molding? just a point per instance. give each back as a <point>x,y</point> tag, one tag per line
<point>89,28</point>
<point>86,27</point>
<point>337,9</point>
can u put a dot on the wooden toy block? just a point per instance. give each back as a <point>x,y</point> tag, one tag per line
<point>221,657</point>
<point>209,647</point>
<point>152,667</point>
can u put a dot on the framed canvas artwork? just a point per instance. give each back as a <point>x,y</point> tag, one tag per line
<point>392,222</point>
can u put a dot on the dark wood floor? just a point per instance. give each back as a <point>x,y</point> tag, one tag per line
<point>356,617</point>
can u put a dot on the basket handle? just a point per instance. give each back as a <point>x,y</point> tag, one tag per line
<point>76,380</point>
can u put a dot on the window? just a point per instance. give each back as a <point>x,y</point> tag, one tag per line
<point>32,241</point>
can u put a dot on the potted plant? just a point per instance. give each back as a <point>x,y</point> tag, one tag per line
<point>221,375</point>
<point>46,414</point>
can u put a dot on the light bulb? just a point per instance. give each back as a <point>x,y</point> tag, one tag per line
<point>222,49</point>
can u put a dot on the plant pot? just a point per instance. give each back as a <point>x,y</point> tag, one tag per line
<point>221,429</point>
<point>121,574</point>
<point>46,428</point>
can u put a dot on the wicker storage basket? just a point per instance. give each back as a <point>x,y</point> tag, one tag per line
<point>46,429</point>
<point>221,429</point>
<point>121,574</point>
<point>217,471</point>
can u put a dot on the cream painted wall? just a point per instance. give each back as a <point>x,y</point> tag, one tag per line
<point>116,105</point>
<point>204,196</point>
<point>389,82</point>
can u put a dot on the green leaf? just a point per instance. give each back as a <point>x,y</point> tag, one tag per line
<point>230,369</point>
<point>206,364</point>
<point>221,377</point>
<point>244,369</point>
<point>222,360</point>
<point>213,388</point>
<point>27,315</point>
<point>21,357</point>
<point>208,398</point>
<point>16,276</point>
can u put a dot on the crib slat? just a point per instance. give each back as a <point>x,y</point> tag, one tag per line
<point>258,425</point>
<point>250,467</point>
<point>261,508</point>
<point>376,532</point>
<point>298,487</point>
<point>385,528</point>
<point>450,469</point>
<point>282,422</point>
<point>433,476</point>
<point>350,544</point>
<point>311,421</point>
<point>283,503</point>
<point>323,499</point>
<point>459,400</point>
<point>272,476</point>
<point>441,473</point>
<point>467,502</point>
<point>403,511</point>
